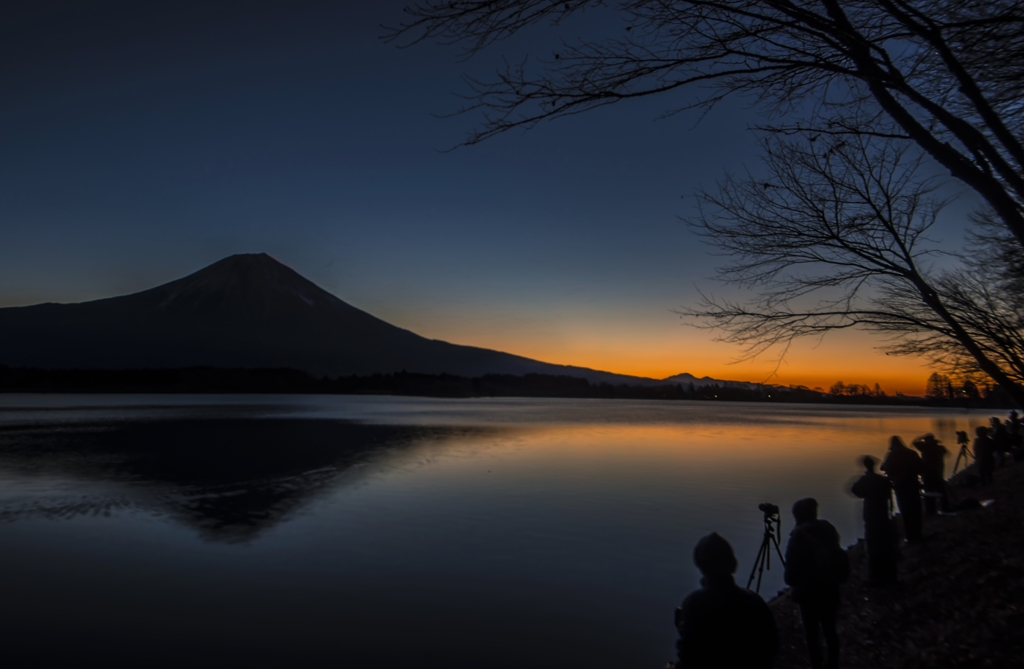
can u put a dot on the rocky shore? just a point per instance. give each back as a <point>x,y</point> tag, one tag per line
<point>960,602</point>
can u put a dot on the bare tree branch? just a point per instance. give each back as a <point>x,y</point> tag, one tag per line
<point>858,93</point>
<point>948,74</point>
<point>837,239</point>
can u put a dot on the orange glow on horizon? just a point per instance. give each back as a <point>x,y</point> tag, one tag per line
<point>850,357</point>
<point>639,340</point>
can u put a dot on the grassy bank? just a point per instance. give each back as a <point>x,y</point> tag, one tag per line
<point>960,602</point>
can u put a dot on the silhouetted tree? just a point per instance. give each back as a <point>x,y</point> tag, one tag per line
<point>935,388</point>
<point>836,239</point>
<point>986,298</point>
<point>859,93</point>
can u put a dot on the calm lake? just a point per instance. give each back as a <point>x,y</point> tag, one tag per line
<point>145,530</point>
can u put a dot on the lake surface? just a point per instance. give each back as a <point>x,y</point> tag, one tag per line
<point>146,530</point>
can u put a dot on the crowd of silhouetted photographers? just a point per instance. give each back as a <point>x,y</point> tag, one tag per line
<point>724,625</point>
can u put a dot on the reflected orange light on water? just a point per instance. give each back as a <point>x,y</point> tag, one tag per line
<point>745,440</point>
<point>722,459</point>
<point>521,505</point>
<point>756,434</point>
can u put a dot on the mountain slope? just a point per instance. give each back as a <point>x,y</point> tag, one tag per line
<point>243,311</point>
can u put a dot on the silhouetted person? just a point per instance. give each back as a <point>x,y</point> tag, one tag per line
<point>815,567</point>
<point>903,467</point>
<point>984,454</point>
<point>879,533</point>
<point>723,625</point>
<point>1000,441</point>
<point>1016,430</point>
<point>934,477</point>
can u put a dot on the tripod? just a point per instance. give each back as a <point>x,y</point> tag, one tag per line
<point>772,533</point>
<point>965,452</point>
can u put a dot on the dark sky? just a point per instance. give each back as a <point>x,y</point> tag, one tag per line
<point>144,140</point>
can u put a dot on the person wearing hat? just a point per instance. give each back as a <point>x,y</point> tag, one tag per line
<point>722,624</point>
<point>816,565</point>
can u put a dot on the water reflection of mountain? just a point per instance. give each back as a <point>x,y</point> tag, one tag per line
<point>229,479</point>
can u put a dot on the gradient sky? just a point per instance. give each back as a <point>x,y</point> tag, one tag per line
<point>142,141</point>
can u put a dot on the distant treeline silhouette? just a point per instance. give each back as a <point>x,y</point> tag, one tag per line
<point>225,380</point>
<point>941,390</point>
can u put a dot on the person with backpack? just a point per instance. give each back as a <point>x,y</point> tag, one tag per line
<point>879,533</point>
<point>722,624</point>
<point>816,565</point>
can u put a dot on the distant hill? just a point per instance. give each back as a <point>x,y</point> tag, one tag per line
<point>686,378</point>
<point>247,311</point>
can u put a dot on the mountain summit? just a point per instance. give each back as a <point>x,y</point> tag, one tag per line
<point>243,311</point>
<point>247,281</point>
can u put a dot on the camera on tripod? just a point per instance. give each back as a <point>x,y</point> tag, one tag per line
<point>965,454</point>
<point>772,535</point>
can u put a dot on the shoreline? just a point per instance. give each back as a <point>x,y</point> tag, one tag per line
<point>960,602</point>
<point>204,380</point>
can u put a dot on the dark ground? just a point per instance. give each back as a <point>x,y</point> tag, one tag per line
<point>960,602</point>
